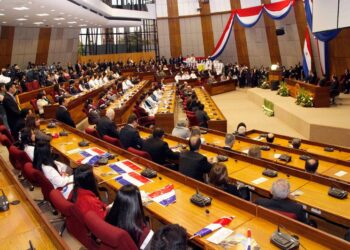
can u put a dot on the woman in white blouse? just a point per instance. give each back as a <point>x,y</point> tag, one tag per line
<point>55,171</point>
<point>27,140</point>
<point>41,102</point>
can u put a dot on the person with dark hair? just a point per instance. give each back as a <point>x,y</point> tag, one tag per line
<point>218,177</point>
<point>12,109</point>
<point>105,124</point>
<point>241,129</point>
<point>27,142</point>
<point>33,123</point>
<point>296,143</point>
<point>127,213</point>
<point>170,237</point>
<point>229,141</point>
<point>2,108</point>
<point>202,116</point>
<point>192,163</point>
<point>41,102</point>
<point>311,165</point>
<point>62,114</point>
<point>334,89</point>
<point>254,151</point>
<point>129,136</point>
<point>158,148</point>
<point>270,137</point>
<point>85,194</point>
<point>55,171</point>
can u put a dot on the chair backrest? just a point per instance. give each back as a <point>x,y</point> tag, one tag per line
<point>44,184</point>
<point>136,112</point>
<point>35,85</point>
<point>5,141</point>
<point>192,120</point>
<point>5,131</point>
<point>112,140</point>
<point>288,214</point>
<point>92,131</point>
<point>60,203</point>
<point>140,153</point>
<point>111,237</point>
<point>15,157</point>
<point>34,105</point>
<point>29,173</point>
<point>29,86</point>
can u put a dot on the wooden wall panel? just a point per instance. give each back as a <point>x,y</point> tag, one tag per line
<point>339,53</point>
<point>240,37</point>
<point>6,44</point>
<point>300,19</point>
<point>272,40</point>
<point>42,52</point>
<point>136,57</point>
<point>207,29</point>
<point>174,28</point>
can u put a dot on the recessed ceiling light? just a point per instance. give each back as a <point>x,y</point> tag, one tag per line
<point>38,23</point>
<point>21,8</point>
<point>52,10</point>
<point>42,14</point>
<point>4,22</point>
<point>82,25</point>
<point>21,19</point>
<point>2,14</point>
<point>58,18</point>
<point>72,22</point>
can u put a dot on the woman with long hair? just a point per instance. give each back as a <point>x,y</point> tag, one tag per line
<point>33,123</point>
<point>55,171</point>
<point>127,213</point>
<point>85,194</point>
<point>27,142</point>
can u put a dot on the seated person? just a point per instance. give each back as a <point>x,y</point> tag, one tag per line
<point>254,152</point>
<point>202,116</point>
<point>229,141</point>
<point>62,114</point>
<point>55,171</point>
<point>129,136</point>
<point>27,142</point>
<point>280,200</point>
<point>127,213</point>
<point>218,177</point>
<point>241,129</point>
<point>192,163</point>
<point>85,194</point>
<point>33,123</point>
<point>158,148</point>
<point>334,89</point>
<point>106,125</point>
<point>127,84</point>
<point>170,237</point>
<point>296,143</point>
<point>270,137</point>
<point>41,102</point>
<point>181,130</point>
<point>311,165</point>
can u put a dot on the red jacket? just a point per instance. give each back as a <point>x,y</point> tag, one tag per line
<point>87,201</point>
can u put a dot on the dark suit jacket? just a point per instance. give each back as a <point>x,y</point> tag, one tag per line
<point>14,119</point>
<point>159,150</point>
<point>202,118</point>
<point>285,205</point>
<point>105,126</point>
<point>63,115</point>
<point>130,137</point>
<point>194,165</point>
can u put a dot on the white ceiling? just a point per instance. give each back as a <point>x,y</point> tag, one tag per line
<point>62,13</point>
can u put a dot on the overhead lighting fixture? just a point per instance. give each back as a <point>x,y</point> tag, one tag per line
<point>4,22</point>
<point>21,19</point>
<point>52,10</point>
<point>2,14</point>
<point>58,18</point>
<point>21,8</point>
<point>42,14</point>
<point>37,23</point>
<point>72,22</point>
<point>82,25</point>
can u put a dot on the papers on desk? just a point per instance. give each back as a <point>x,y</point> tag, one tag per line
<point>276,156</point>
<point>340,173</point>
<point>258,138</point>
<point>220,235</point>
<point>73,151</point>
<point>164,196</point>
<point>123,167</point>
<point>259,180</point>
<point>245,151</point>
<point>132,178</point>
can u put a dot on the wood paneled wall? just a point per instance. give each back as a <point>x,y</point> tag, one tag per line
<point>136,57</point>
<point>339,53</point>
<point>240,38</point>
<point>174,28</point>
<point>300,19</point>
<point>272,40</point>
<point>6,44</point>
<point>42,51</point>
<point>207,29</point>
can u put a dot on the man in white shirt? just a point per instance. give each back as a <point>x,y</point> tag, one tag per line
<point>127,84</point>
<point>193,75</point>
<point>4,79</point>
<point>178,77</point>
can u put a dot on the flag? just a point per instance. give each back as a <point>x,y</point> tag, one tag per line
<point>123,167</point>
<point>224,221</point>
<point>164,196</point>
<point>307,54</point>
<point>132,178</point>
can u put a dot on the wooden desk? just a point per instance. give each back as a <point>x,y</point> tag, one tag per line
<point>217,120</point>
<point>321,95</point>
<point>166,116</point>
<point>76,104</point>
<point>221,87</point>
<point>25,221</point>
<point>191,217</point>
<point>192,82</point>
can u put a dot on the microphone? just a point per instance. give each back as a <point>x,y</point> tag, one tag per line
<point>270,171</point>
<point>336,191</point>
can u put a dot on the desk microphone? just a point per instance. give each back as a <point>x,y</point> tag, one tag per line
<point>270,171</point>
<point>31,247</point>
<point>336,191</point>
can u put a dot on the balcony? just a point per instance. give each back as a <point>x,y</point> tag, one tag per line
<point>140,5</point>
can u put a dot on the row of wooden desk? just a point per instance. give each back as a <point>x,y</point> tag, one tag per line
<point>248,171</point>
<point>261,221</point>
<point>24,222</point>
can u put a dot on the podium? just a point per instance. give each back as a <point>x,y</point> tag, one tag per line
<point>275,75</point>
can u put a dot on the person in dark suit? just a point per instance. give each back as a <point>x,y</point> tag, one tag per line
<point>105,125</point>
<point>129,136</point>
<point>192,163</point>
<point>280,201</point>
<point>62,113</point>
<point>158,148</point>
<point>202,116</point>
<point>13,113</point>
<point>229,142</point>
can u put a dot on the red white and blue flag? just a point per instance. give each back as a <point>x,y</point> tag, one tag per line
<point>307,54</point>
<point>164,196</point>
<point>224,221</point>
<point>123,167</point>
<point>132,178</point>
<point>248,17</point>
<point>278,10</point>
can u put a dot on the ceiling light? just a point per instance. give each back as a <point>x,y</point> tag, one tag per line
<point>58,18</point>
<point>42,14</point>
<point>4,22</point>
<point>21,19</point>
<point>72,22</point>
<point>21,8</point>
<point>38,23</point>
<point>82,25</point>
<point>52,10</point>
<point>42,6</point>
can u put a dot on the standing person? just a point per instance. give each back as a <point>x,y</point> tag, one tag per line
<point>2,108</point>
<point>62,114</point>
